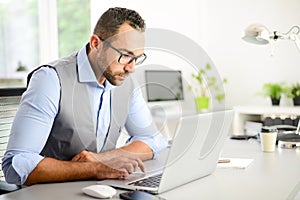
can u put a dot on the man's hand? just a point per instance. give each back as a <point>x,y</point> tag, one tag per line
<point>85,156</point>
<point>124,160</point>
<point>117,159</point>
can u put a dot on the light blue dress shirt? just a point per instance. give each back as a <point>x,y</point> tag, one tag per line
<point>39,106</point>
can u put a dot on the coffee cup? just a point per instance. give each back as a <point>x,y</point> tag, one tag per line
<point>268,138</point>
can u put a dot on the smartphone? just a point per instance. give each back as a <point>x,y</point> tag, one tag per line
<point>139,195</point>
<point>242,137</point>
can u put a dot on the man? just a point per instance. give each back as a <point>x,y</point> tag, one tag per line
<point>74,109</point>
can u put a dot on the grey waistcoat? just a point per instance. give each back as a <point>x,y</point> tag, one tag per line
<point>74,128</point>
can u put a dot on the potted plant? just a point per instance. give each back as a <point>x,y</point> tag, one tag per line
<point>294,92</point>
<point>203,83</point>
<point>21,67</point>
<point>273,91</point>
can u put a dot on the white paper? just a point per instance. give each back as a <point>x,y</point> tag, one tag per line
<point>237,163</point>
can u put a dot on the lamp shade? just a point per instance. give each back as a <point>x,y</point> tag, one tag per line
<point>257,34</point>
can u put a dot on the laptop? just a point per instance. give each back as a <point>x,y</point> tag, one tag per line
<point>194,154</point>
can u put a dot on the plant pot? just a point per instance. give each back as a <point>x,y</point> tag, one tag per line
<point>202,103</point>
<point>275,102</point>
<point>296,101</point>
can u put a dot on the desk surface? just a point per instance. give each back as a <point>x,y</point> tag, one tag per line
<point>270,176</point>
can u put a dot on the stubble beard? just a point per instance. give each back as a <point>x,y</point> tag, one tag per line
<point>111,77</point>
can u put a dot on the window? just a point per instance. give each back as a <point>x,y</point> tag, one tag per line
<point>18,33</point>
<point>73,25</point>
<point>34,32</point>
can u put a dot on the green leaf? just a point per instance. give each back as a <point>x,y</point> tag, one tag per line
<point>206,83</point>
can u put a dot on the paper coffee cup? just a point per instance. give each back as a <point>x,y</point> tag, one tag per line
<point>268,139</point>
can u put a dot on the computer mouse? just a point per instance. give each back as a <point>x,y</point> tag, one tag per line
<point>100,191</point>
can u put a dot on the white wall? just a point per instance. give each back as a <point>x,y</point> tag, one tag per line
<point>248,66</point>
<point>181,17</point>
<point>217,26</point>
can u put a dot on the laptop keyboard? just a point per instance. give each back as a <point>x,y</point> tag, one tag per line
<point>152,181</point>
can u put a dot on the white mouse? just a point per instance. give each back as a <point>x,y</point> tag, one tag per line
<point>100,191</point>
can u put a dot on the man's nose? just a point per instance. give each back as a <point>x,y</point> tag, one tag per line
<point>130,68</point>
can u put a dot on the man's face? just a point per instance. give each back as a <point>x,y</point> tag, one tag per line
<point>128,42</point>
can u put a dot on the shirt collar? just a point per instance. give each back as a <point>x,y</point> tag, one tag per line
<point>85,71</point>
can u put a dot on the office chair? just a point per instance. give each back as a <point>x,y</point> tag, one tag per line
<point>9,102</point>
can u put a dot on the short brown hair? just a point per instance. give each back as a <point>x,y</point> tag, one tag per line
<point>110,22</point>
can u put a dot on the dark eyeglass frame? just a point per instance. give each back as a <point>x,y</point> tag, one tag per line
<point>132,58</point>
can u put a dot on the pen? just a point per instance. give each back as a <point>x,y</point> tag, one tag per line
<point>224,161</point>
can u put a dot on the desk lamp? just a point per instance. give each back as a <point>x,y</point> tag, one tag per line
<point>260,34</point>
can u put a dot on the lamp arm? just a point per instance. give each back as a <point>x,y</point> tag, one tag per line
<point>292,34</point>
<point>298,128</point>
<point>278,35</point>
<point>293,30</point>
<point>296,39</point>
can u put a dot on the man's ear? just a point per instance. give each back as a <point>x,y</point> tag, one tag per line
<point>95,42</point>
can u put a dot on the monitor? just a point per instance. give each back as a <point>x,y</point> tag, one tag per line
<point>163,85</point>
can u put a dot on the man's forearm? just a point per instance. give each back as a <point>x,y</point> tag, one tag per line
<point>52,170</point>
<point>139,148</point>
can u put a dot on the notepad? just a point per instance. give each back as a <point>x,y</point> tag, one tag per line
<point>237,163</point>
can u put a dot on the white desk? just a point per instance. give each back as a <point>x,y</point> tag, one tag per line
<point>270,176</point>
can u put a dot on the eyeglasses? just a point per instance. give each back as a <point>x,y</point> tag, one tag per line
<point>124,58</point>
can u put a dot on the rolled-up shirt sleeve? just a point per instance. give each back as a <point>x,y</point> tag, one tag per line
<point>18,165</point>
<point>32,125</point>
<point>140,125</point>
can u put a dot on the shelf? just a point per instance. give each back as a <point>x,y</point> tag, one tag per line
<point>255,113</point>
